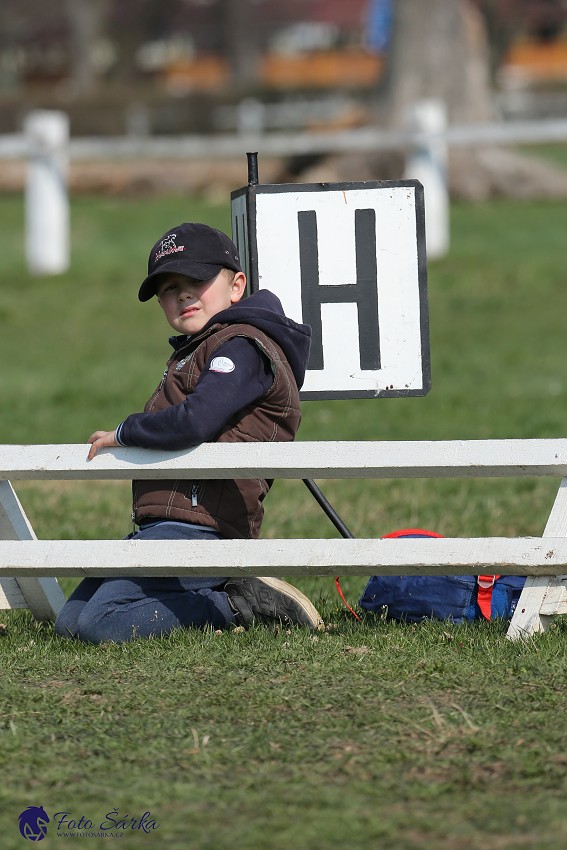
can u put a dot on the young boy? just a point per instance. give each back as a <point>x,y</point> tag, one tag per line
<point>233,376</point>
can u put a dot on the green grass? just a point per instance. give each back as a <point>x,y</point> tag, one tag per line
<point>555,154</point>
<point>369,735</point>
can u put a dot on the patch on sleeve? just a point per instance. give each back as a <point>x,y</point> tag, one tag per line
<point>222,364</point>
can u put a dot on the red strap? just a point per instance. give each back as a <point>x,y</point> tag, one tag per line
<point>341,594</point>
<point>412,532</point>
<point>484,594</point>
<point>404,532</point>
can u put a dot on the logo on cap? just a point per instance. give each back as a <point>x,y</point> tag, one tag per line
<point>168,246</point>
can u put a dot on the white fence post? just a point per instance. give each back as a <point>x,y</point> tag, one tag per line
<point>427,162</point>
<point>47,204</point>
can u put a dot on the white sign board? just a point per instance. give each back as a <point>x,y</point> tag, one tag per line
<point>348,260</point>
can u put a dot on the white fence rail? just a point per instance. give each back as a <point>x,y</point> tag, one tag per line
<point>16,146</point>
<point>425,141</point>
<point>319,557</point>
<point>321,459</point>
<point>23,558</point>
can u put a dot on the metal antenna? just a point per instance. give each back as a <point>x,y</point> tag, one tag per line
<point>252,168</point>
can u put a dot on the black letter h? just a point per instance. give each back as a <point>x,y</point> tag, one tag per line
<point>363,293</point>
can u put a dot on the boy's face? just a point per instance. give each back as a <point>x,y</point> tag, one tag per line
<point>188,304</point>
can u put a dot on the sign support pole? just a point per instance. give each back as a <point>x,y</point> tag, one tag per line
<point>252,184</point>
<point>328,509</point>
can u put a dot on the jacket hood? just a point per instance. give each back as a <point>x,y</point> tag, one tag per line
<point>263,310</point>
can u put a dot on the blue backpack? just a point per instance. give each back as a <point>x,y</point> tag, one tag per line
<point>455,598</point>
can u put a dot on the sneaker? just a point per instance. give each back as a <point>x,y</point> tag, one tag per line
<point>270,599</point>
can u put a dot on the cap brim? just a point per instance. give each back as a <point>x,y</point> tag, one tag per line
<point>198,271</point>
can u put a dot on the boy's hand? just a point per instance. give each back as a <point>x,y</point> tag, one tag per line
<point>101,440</point>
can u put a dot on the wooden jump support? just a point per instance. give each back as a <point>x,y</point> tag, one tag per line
<point>27,564</point>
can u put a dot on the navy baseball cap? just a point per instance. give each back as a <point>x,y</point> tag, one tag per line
<point>195,250</point>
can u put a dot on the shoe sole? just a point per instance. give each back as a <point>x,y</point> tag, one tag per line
<point>297,596</point>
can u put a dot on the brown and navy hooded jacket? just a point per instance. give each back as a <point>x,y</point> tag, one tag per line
<point>237,380</point>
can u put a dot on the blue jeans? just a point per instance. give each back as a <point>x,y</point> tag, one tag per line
<point>121,609</point>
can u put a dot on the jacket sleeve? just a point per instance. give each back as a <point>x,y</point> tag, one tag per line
<point>221,392</point>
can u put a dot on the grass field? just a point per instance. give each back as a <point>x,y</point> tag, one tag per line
<point>367,735</point>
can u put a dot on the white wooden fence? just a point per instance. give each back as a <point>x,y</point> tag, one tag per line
<point>235,145</point>
<point>26,563</point>
<point>426,140</point>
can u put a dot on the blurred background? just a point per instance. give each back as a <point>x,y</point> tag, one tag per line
<point>144,69</point>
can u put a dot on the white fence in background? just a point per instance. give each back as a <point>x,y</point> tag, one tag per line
<point>25,561</point>
<point>365,139</point>
<point>47,204</point>
<point>425,141</point>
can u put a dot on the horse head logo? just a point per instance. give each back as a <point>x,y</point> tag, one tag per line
<point>33,823</point>
<point>168,243</point>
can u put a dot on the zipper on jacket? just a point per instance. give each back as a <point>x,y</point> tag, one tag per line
<point>158,390</point>
<point>134,503</point>
<point>194,495</point>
